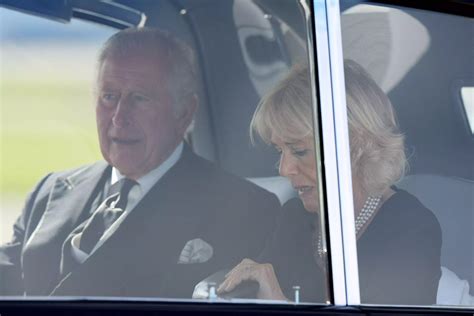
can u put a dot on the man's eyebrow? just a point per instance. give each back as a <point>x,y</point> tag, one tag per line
<point>292,143</point>
<point>105,83</point>
<point>288,143</point>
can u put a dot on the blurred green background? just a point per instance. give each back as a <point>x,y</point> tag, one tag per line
<point>46,126</point>
<point>47,110</point>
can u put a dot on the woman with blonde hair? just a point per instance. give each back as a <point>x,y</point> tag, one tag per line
<point>398,239</point>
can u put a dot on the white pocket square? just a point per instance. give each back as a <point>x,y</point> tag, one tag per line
<point>195,251</point>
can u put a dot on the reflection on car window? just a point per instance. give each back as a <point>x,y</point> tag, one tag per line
<point>143,179</point>
<point>412,175</point>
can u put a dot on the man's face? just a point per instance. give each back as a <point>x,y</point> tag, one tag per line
<point>137,125</point>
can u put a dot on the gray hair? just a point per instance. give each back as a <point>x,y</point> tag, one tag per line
<point>376,145</point>
<point>159,45</point>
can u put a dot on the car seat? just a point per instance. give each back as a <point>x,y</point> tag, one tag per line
<point>451,199</point>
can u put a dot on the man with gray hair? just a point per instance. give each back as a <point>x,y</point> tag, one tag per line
<point>153,218</point>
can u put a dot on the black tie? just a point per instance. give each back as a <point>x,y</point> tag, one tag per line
<point>105,216</point>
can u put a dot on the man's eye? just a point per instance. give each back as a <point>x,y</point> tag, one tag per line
<point>140,98</point>
<point>300,153</point>
<point>109,97</point>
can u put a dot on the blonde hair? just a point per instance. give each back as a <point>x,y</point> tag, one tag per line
<point>273,116</point>
<point>376,145</point>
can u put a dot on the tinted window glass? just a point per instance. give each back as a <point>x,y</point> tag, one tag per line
<point>47,104</point>
<point>162,157</point>
<point>411,152</point>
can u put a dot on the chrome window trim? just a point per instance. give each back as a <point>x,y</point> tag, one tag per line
<point>342,245</point>
<point>316,126</point>
<point>343,153</point>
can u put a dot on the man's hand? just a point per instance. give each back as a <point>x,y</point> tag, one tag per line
<point>250,270</point>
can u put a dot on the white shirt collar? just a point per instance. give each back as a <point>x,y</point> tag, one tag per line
<point>145,184</point>
<point>152,177</point>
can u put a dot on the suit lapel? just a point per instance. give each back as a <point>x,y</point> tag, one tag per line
<point>66,203</point>
<point>148,241</point>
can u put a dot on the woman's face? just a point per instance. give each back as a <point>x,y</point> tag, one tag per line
<point>298,164</point>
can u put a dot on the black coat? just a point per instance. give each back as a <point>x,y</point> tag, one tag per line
<point>399,254</point>
<point>194,199</point>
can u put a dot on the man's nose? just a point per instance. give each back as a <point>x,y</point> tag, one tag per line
<point>122,113</point>
<point>288,165</point>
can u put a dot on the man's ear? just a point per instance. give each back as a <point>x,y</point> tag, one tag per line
<point>187,114</point>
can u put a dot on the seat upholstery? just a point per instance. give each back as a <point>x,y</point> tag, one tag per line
<point>280,186</point>
<point>452,201</point>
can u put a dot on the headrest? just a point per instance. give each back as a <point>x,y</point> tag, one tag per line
<point>280,186</point>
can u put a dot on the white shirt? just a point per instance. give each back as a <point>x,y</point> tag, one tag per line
<point>145,183</point>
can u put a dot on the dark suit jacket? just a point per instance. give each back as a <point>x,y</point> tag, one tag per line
<point>399,254</point>
<point>194,199</point>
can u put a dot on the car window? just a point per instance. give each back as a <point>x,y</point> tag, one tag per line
<point>149,163</point>
<point>47,111</point>
<point>411,152</point>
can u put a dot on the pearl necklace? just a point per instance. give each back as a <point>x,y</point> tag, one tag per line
<point>366,212</point>
<point>362,218</point>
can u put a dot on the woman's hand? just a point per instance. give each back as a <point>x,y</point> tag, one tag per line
<point>250,270</point>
